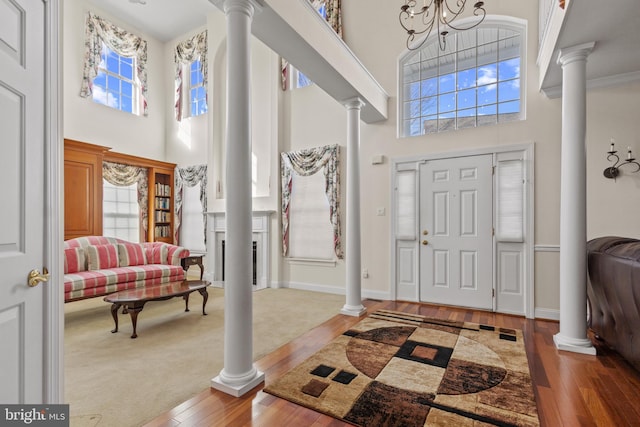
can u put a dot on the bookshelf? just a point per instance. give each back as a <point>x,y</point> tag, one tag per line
<point>161,202</point>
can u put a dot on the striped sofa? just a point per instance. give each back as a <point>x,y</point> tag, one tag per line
<point>98,265</point>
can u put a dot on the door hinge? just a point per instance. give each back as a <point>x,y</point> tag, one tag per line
<point>493,293</point>
<point>493,170</point>
<point>493,231</point>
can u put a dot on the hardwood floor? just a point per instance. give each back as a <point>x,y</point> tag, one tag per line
<point>571,389</point>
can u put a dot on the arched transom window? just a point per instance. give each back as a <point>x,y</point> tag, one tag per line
<point>477,80</point>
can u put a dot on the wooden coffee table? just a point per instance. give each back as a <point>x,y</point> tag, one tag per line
<point>133,300</point>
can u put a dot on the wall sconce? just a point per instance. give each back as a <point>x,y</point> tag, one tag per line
<point>612,156</point>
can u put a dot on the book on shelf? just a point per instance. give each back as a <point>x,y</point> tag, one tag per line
<point>163,190</point>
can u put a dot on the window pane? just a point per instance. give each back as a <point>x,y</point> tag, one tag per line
<point>412,91</point>
<point>429,87</point>
<point>510,217</point>
<point>121,217</point>
<point>509,107</point>
<point>447,102</point>
<point>126,70</point>
<point>127,89</point>
<point>487,95</point>
<point>466,79</point>
<point>406,224</point>
<point>412,127</point>
<point>411,73</point>
<point>429,106</point>
<point>100,80</point>
<point>430,124</point>
<point>113,64</point>
<point>466,118</point>
<point>467,98</point>
<point>467,59</point>
<point>412,109</point>
<point>509,90</point>
<point>487,74</point>
<point>487,53</point>
<point>509,69</point>
<point>113,83</point>
<point>446,121</point>
<point>487,115</point>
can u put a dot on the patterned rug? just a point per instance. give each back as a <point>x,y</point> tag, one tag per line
<point>399,369</point>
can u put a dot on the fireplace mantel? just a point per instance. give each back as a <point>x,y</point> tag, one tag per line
<point>261,229</point>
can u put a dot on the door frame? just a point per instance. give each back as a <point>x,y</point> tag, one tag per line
<point>53,353</point>
<point>410,273</point>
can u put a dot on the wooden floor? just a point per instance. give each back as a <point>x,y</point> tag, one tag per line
<point>571,389</point>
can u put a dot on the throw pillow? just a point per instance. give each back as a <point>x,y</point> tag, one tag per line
<point>102,256</point>
<point>74,260</point>
<point>131,254</point>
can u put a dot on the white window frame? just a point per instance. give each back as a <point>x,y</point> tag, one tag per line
<point>190,86</point>
<point>134,82</point>
<point>498,22</point>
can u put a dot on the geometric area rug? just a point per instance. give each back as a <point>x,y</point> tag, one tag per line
<point>399,369</point>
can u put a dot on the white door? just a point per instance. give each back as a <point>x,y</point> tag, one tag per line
<point>22,216</point>
<point>456,255</point>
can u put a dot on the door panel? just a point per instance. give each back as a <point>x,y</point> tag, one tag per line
<point>22,106</point>
<point>456,219</point>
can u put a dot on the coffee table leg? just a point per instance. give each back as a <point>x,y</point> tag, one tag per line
<point>133,312</point>
<point>186,302</point>
<point>205,297</point>
<point>114,312</point>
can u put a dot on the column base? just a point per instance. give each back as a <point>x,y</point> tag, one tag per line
<point>238,389</point>
<point>353,310</point>
<point>582,346</point>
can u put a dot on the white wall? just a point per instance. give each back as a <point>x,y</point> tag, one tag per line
<point>87,121</point>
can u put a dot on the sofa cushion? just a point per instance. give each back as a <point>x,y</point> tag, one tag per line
<point>150,273</point>
<point>156,252</point>
<point>74,260</point>
<point>102,256</point>
<point>131,254</point>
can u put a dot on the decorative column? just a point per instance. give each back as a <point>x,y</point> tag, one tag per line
<point>239,374</point>
<point>573,206</point>
<point>353,306</point>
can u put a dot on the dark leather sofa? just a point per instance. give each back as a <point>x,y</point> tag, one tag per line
<point>613,289</point>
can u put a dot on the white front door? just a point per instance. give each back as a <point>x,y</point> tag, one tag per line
<point>22,216</point>
<point>456,255</point>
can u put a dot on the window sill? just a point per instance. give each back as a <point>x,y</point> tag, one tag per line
<point>311,261</point>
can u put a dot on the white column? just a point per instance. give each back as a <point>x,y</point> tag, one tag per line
<point>573,206</point>
<point>353,306</point>
<point>238,375</point>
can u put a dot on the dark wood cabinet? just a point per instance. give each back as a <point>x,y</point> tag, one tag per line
<point>82,189</point>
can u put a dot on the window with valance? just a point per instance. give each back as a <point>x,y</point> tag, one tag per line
<point>304,163</point>
<point>190,176</point>
<point>187,54</point>
<point>103,37</point>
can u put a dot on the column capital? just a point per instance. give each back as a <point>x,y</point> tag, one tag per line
<point>354,103</point>
<point>248,7</point>
<point>575,53</point>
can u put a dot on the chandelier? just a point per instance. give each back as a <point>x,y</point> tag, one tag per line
<point>439,13</point>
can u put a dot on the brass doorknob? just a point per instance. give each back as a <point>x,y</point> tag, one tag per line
<point>425,232</point>
<point>35,277</point>
<point>424,242</point>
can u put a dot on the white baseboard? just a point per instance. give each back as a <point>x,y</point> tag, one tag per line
<point>546,313</point>
<point>327,289</point>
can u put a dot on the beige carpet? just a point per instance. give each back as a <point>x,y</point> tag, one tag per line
<point>113,380</point>
<point>398,369</point>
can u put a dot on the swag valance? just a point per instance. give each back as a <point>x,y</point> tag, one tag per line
<point>304,163</point>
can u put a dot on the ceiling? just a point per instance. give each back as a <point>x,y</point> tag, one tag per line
<point>163,20</point>
<point>614,27</point>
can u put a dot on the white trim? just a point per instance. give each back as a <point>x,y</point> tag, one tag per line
<point>601,82</point>
<point>547,248</point>
<point>312,262</point>
<point>53,329</point>
<point>335,290</point>
<point>547,313</point>
<point>529,152</point>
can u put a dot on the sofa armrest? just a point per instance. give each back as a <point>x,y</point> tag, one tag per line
<point>176,253</point>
